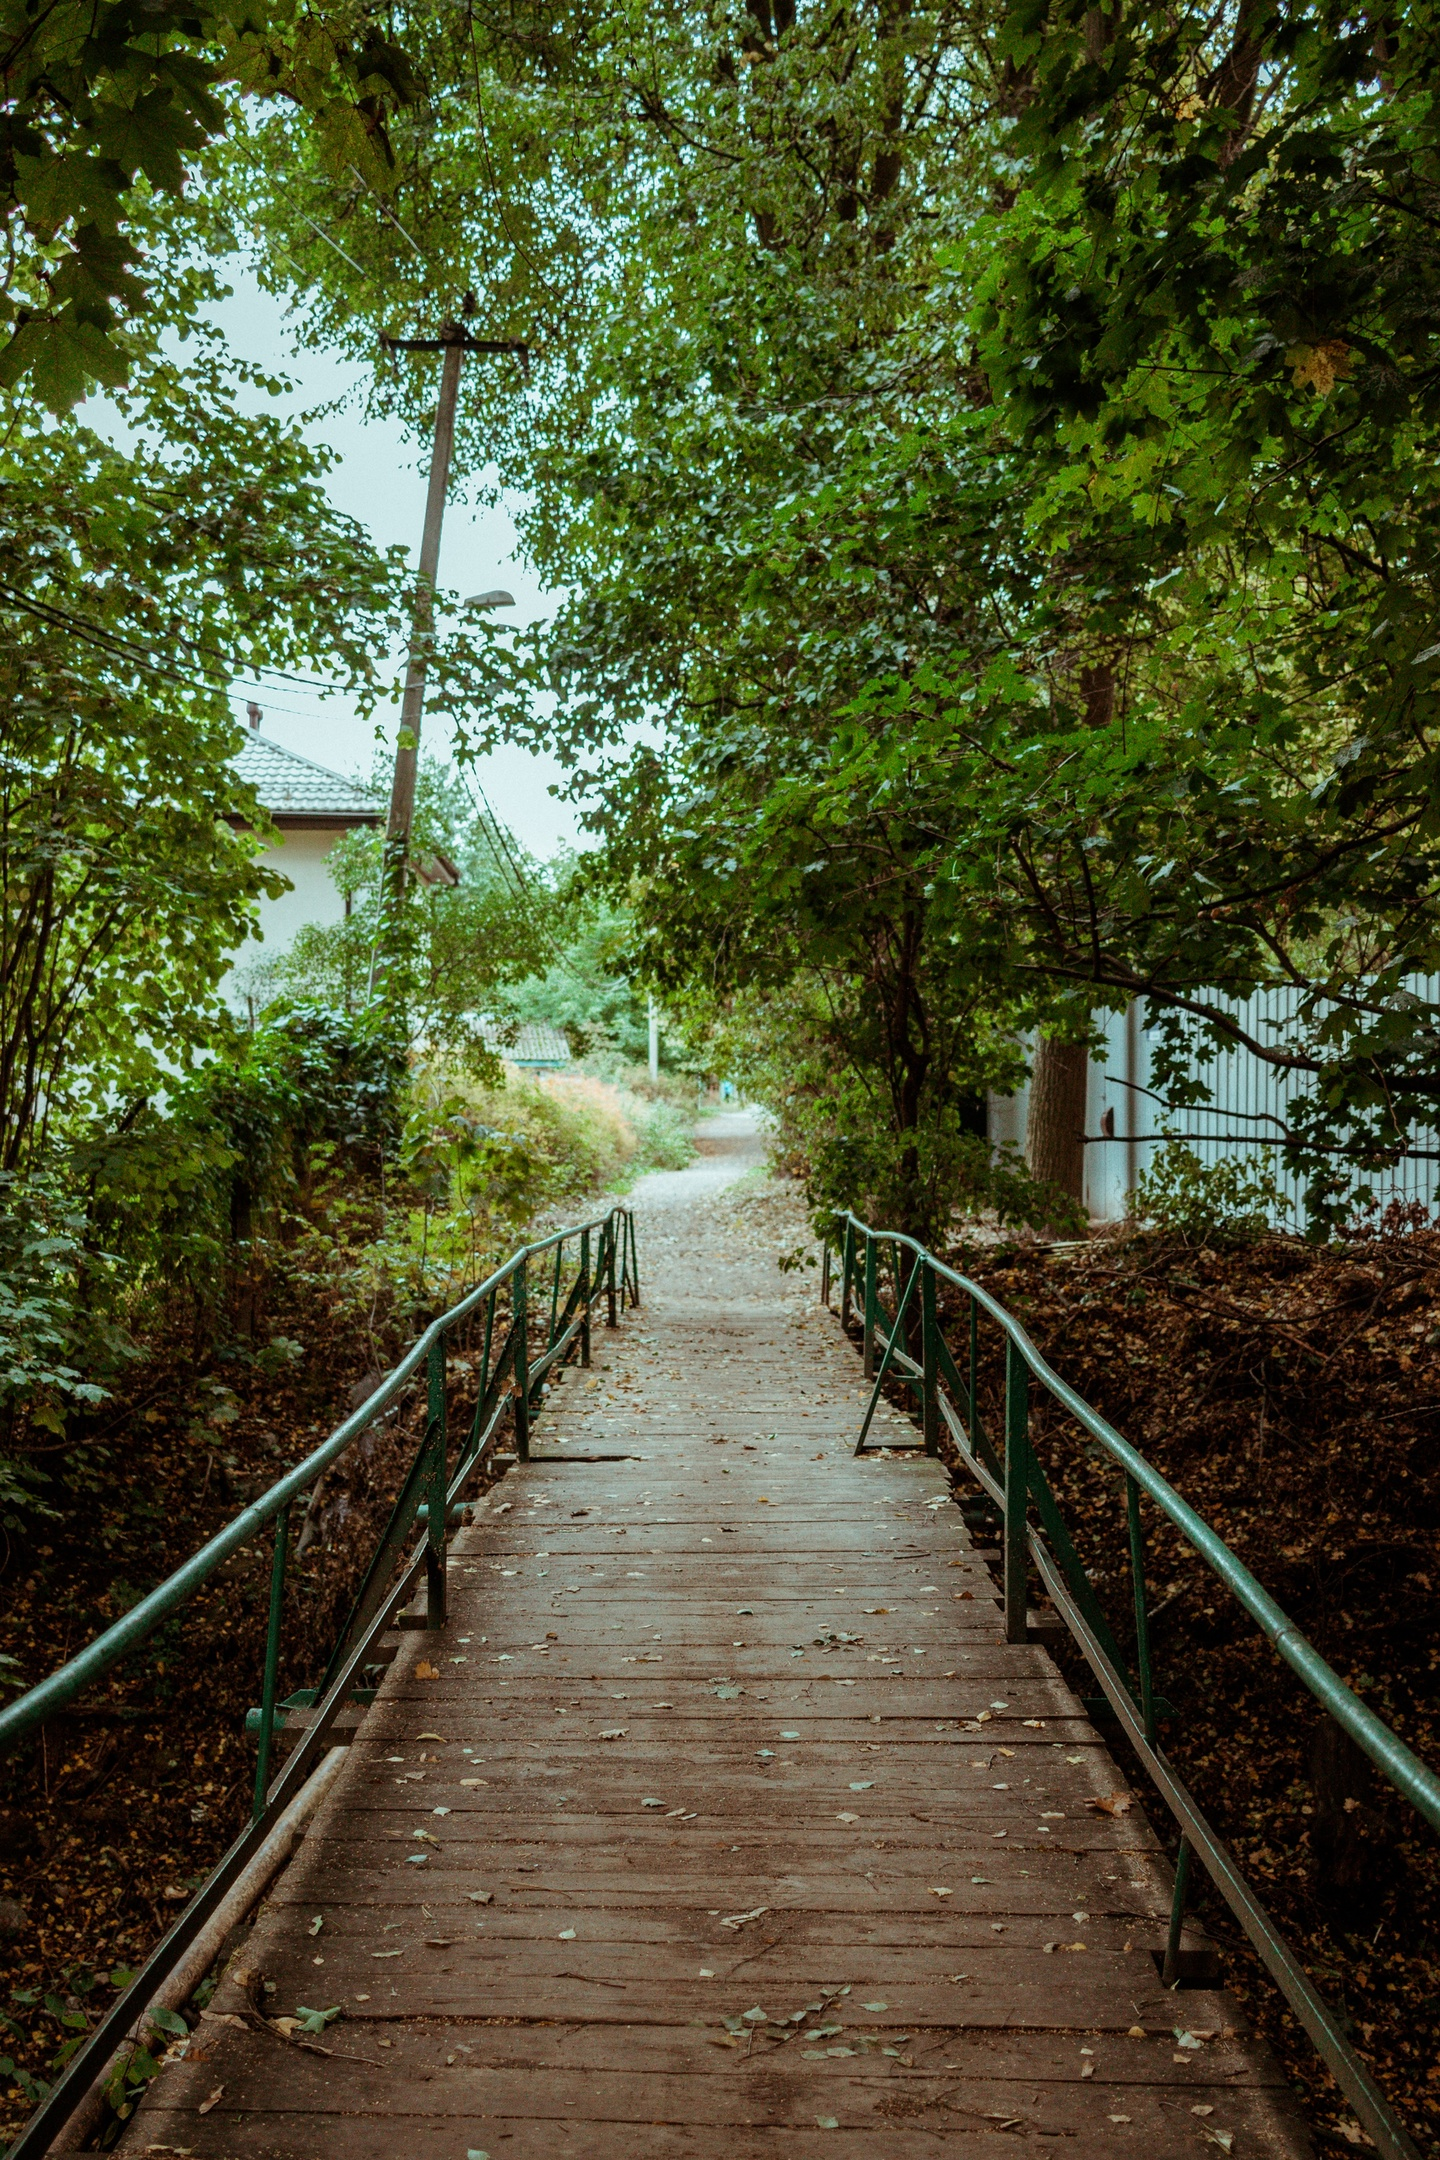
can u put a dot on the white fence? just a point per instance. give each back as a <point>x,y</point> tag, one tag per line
<point>1125,1123</point>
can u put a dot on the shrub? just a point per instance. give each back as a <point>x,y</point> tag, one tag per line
<point>481,1163</point>
<point>1230,1202</point>
<point>662,1136</point>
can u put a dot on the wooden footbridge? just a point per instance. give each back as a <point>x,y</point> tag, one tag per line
<point>720,1811</point>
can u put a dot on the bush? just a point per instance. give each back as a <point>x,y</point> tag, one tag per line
<point>1230,1202</point>
<point>662,1136</point>
<point>481,1163</point>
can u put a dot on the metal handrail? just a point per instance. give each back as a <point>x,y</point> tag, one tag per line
<point>1015,1480</point>
<point>97,1658</point>
<point>509,1387</point>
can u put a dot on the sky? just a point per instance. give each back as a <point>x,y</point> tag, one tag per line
<point>380,479</point>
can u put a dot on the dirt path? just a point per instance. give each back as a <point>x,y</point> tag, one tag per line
<point>729,1824</point>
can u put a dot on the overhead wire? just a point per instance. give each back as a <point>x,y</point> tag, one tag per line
<point>388,214</point>
<point>137,649</point>
<point>496,834</point>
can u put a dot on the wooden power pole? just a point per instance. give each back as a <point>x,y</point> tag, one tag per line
<point>454,342</point>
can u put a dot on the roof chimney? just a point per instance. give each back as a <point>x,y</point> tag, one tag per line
<point>254,715</point>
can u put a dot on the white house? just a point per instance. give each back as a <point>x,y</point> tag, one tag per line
<point>310,808</point>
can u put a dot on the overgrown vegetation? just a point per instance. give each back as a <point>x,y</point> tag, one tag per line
<point>334,1198</point>
<point>1290,1393</point>
<point>1000,447</point>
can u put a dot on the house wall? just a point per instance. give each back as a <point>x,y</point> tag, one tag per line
<point>313,897</point>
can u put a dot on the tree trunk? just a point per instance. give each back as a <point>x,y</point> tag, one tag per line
<point>1055,1124</point>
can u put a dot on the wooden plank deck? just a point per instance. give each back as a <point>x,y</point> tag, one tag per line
<point>730,1826</point>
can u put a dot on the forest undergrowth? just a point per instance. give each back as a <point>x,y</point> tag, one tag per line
<point>121,1807</point>
<point>1291,1393</point>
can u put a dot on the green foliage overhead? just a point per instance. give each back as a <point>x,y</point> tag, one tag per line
<point>999,448</point>
<point>135,582</point>
<point>1002,449</point>
<point>104,110</point>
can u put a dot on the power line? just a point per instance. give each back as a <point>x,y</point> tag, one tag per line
<point>137,650</point>
<point>496,834</point>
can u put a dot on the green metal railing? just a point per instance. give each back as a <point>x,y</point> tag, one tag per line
<point>603,1269</point>
<point>903,1340</point>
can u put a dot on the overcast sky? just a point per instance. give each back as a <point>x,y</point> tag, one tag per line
<point>379,481</point>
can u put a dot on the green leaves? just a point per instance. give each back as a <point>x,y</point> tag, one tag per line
<point>991,461</point>
<point>107,110</point>
<point>315,2021</point>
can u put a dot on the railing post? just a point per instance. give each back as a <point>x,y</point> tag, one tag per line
<point>872,1305</point>
<point>272,1659</point>
<point>929,1359</point>
<point>1142,1616</point>
<point>847,1271</point>
<point>485,1352</point>
<point>585,1297</point>
<point>1017,1492</point>
<point>610,1317</point>
<point>522,1364</point>
<point>555,1295</point>
<point>634,1259</point>
<point>972,1413</point>
<point>438,1496</point>
<point>825,1273</point>
<point>1170,1972</point>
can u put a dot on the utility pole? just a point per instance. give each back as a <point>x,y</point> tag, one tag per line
<point>454,342</point>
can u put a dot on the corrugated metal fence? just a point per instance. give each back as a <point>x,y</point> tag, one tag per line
<point>1126,1122</point>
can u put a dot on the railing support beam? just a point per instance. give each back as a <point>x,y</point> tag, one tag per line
<point>1142,1614</point>
<point>1017,1493</point>
<point>585,1297</point>
<point>1171,1972</point>
<point>435,1584</point>
<point>929,1360</point>
<point>522,1364</point>
<point>270,1684</point>
<point>872,1304</point>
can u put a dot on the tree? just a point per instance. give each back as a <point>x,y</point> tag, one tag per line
<point>588,989</point>
<point>1209,320</point>
<point>136,584</point>
<point>713,447</point>
<point>103,106</point>
<point>950,404</point>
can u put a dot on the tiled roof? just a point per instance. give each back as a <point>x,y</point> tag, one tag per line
<point>535,1044</point>
<point>295,787</point>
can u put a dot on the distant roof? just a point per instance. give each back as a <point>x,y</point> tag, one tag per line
<point>535,1044</point>
<point>297,791</point>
